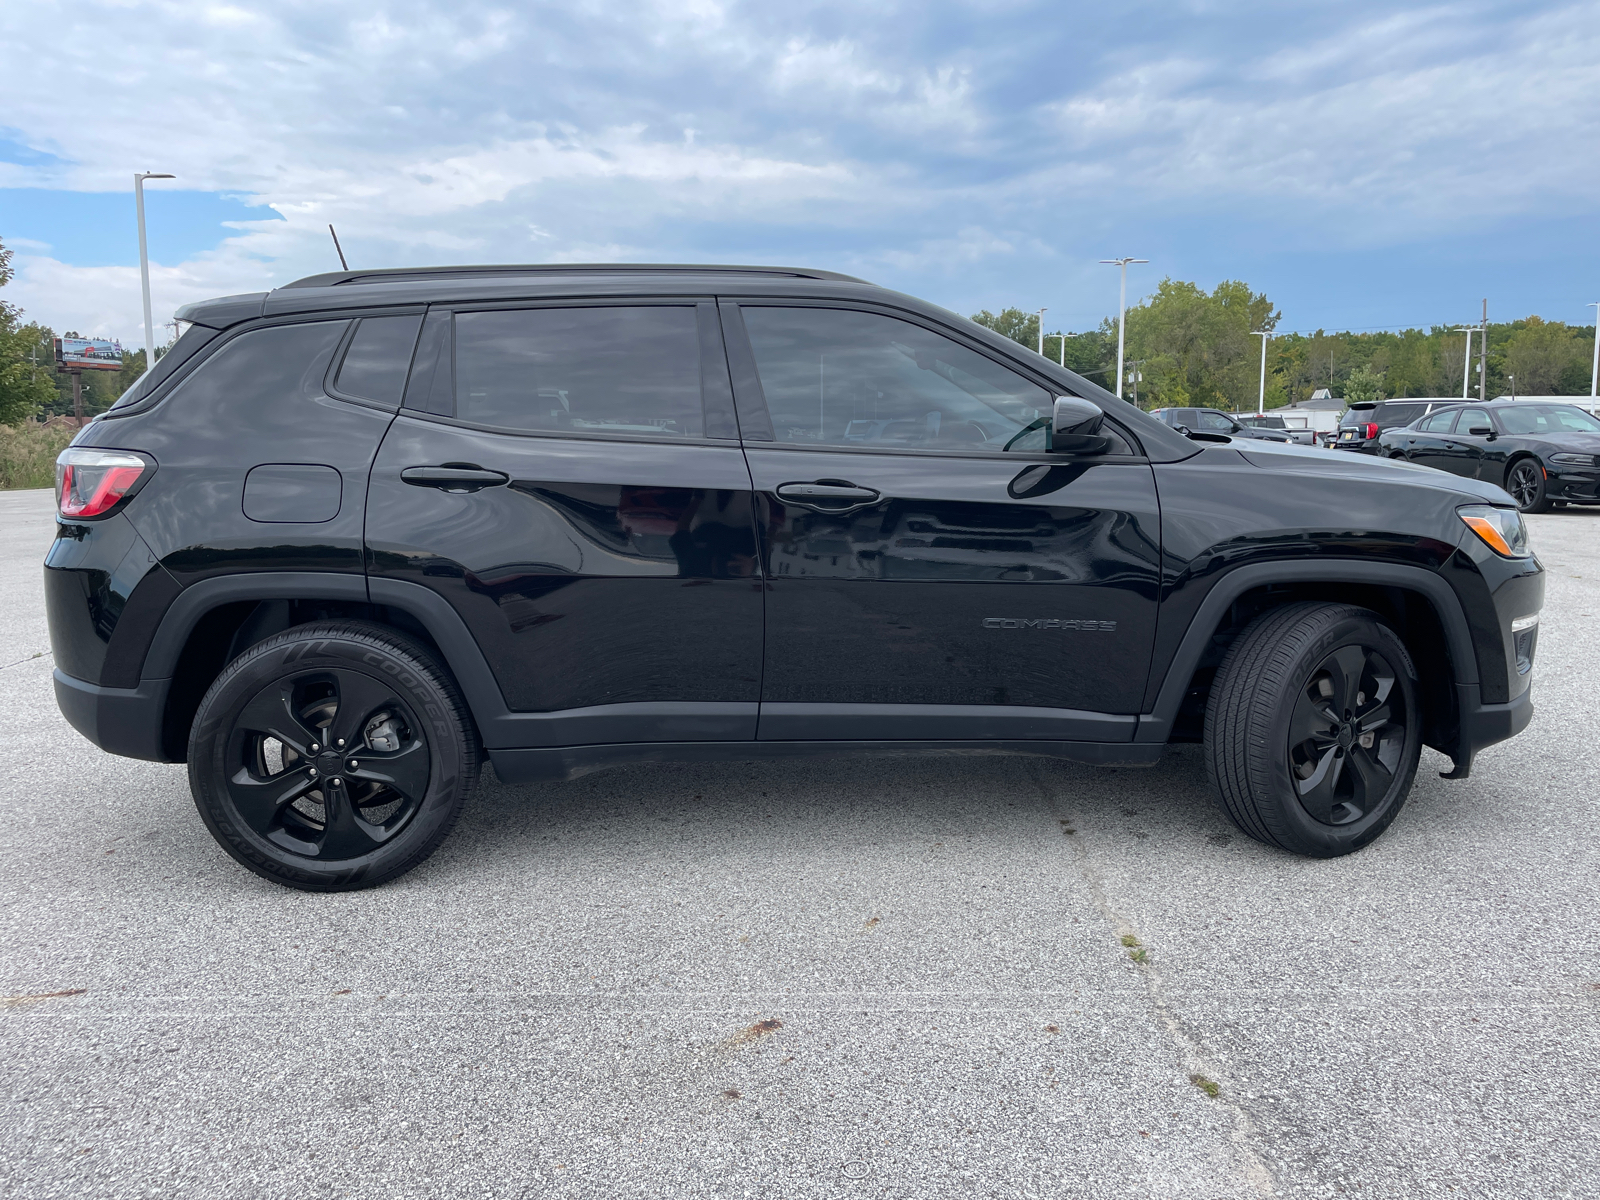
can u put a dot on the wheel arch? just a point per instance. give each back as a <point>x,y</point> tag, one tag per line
<point>214,620</point>
<point>1418,603</point>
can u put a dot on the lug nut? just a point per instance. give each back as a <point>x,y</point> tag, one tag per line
<point>354,764</point>
<point>313,772</point>
<point>341,741</point>
<point>337,781</point>
<point>315,747</point>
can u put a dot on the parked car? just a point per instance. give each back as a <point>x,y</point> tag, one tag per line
<point>351,537</point>
<point>1301,436</point>
<point>1215,421</point>
<point>1364,420</point>
<point>1540,453</point>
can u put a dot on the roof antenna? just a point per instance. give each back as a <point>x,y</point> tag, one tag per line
<point>337,247</point>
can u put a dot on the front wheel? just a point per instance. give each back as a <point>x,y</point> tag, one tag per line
<point>1526,483</point>
<point>332,757</point>
<point>1312,731</point>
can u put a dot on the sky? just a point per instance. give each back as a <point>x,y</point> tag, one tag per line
<point>1366,165</point>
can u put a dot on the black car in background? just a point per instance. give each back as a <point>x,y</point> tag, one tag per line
<point>351,537</point>
<point>1214,420</point>
<point>1540,453</point>
<point>1364,420</point>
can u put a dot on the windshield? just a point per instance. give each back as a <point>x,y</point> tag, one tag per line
<point>1547,419</point>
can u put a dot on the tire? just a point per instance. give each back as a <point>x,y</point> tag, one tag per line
<point>1282,771</point>
<point>307,818</point>
<point>1525,481</point>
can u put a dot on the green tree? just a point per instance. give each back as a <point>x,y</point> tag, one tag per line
<point>1197,346</point>
<point>1544,355</point>
<point>24,386</point>
<point>1364,383</point>
<point>1013,323</point>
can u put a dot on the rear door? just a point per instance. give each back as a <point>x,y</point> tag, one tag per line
<point>1463,452</point>
<point>568,478</point>
<point>1429,442</point>
<point>932,573</point>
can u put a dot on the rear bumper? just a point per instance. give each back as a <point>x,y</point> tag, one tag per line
<point>124,721</point>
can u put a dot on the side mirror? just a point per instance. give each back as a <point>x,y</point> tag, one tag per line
<point>1480,431</point>
<point>1075,427</point>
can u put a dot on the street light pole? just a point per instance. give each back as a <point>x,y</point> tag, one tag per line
<point>1122,312</point>
<point>1466,363</point>
<point>1261,396</point>
<point>1594,371</point>
<point>1042,312</point>
<point>144,264</point>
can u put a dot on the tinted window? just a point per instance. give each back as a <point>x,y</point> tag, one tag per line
<point>379,357</point>
<point>839,378</point>
<point>1439,422</point>
<point>1389,415</point>
<point>581,370</point>
<point>1473,418</point>
<point>1215,422</point>
<point>262,368</point>
<point>1546,419</point>
<point>1357,416</point>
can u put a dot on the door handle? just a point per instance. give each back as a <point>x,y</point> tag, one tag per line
<point>454,477</point>
<point>827,495</point>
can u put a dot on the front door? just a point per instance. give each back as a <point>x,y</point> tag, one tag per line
<point>569,480</point>
<point>932,573</point>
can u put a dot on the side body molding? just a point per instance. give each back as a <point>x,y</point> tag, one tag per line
<point>1156,726</point>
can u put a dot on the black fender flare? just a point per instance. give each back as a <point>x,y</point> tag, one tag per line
<point>1156,726</point>
<point>449,632</point>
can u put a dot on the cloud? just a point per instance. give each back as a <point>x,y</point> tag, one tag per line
<point>944,145</point>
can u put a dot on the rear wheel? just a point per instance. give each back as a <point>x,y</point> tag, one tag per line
<point>1312,728</point>
<point>332,757</point>
<point>1525,481</point>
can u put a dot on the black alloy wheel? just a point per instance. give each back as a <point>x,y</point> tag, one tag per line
<point>1526,483</point>
<point>1312,729</point>
<point>331,757</point>
<point>1347,735</point>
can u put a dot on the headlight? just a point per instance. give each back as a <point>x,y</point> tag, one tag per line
<point>1501,528</point>
<point>1574,460</point>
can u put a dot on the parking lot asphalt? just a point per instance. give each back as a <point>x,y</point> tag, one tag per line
<point>899,978</point>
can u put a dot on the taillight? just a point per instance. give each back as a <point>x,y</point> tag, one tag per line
<point>1372,431</point>
<point>90,483</point>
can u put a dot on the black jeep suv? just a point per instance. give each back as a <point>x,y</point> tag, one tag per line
<point>352,536</point>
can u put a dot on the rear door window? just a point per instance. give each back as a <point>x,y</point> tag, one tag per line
<point>622,370</point>
<point>1390,415</point>
<point>1438,422</point>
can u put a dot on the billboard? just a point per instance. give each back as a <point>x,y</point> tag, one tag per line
<point>88,354</point>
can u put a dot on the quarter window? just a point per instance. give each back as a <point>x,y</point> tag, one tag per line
<point>835,377</point>
<point>633,371</point>
<point>379,358</point>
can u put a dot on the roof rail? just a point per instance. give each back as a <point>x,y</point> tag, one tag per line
<point>413,274</point>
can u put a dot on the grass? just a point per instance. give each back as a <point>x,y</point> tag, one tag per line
<point>1209,1086</point>
<point>28,454</point>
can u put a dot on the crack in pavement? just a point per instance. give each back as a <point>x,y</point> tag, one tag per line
<point>1196,1062</point>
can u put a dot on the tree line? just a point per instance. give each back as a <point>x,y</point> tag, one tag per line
<point>1187,346</point>
<point>1190,347</point>
<point>30,388</point>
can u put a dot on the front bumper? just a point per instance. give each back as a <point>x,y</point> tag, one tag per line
<point>126,721</point>
<point>1580,487</point>
<point>1482,725</point>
